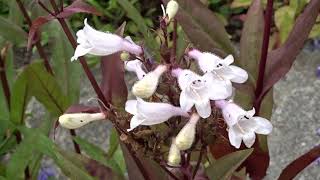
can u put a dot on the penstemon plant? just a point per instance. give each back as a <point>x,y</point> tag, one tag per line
<point>200,108</point>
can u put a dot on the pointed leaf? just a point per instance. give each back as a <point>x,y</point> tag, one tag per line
<point>96,153</point>
<point>295,167</point>
<point>68,74</point>
<point>280,60</point>
<point>78,6</point>
<point>45,89</point>
<point>251,39</point>
<point>203,28</point>
<point>151,168</point>
<point>20,98</point>
<point>223,167</point>
<point>113,85</point>
<point>12,32</point>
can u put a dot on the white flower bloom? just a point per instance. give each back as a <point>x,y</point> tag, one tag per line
<point>76,120</point>
<point>149,83</point>
<point>186,135</point>
<point>221,68</point>
<point>151,113</point>
<point>199,90</point>
<point>174,157</point>
<point>242,124</point>
<point>135,66</point>
<point>91,41</point>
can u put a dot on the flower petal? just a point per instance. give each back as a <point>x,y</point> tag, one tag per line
<point>131,107</point>
<point>203,108</point>
<point>240,75</point>
<point>251,112</point>
<point>135,122</point>
<point>185,103</point>
<point>80,51</point>
<point>264,126</point>
<point>228,60</point>
<point>249,139</point>
<point>234,138</point>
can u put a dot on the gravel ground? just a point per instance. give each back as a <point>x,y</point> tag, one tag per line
<point>295,118</point>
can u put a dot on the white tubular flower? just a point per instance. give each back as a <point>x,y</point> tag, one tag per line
<point>149,83</point>
<point>174,157</point>
<point>221,68</point>
<point>199,90</point>
<point>186,135</point>
<point>242,124</point>
<point>135,66</point>
<point>91,41</point>
<point>76,120</point>
<point>150,113</point>
<point>171,9</point>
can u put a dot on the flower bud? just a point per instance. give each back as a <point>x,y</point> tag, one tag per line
<point>172,9</point>
<point>186,135</point>
<point>76,120</point>
<point>174,157</point>
<point>149,83</point>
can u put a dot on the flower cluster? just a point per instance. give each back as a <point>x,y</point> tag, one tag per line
<point>198,93</point>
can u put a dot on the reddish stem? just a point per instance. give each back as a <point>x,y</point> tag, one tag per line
<point>4,81</point>
<point>94,83</point>
<point>174,40</point>
<point>38,44</point>
<point>264,54</point>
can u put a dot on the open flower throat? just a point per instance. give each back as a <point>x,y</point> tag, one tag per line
<point>174,108</point>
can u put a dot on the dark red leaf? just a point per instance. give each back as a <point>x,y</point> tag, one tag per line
<point>113,84</point>
<point>36,24</point>
<point>79,108</point>
<point>280,60</point>
<point>78,6</point>
<point>256,164</point>
<point>299,164</point>
<point>203,28</point>
<point>152,170</point>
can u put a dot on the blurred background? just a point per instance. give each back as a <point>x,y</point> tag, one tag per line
<point>296,116</point>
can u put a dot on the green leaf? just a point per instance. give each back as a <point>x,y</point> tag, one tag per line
<point>98,154</point>
<point>251,40</point>
<point>45,89</point>
<point>240,3</point>
<point>19,98</point>
<point>136,17</point>
<point>203,28</point>
<point>315,32</point>
<point>15,14</point>
<point>68,74</point>
<point>113,142</point>
<point>223,167</point>
<point>298,5</point>
<point>12,32</point>
<point>153,169</point>
<point>284,19</point>
<point>250,52</point>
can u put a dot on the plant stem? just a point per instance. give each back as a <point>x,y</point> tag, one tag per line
<point>198,163</point>
<point>174,40</point>
<point>45,59</point>
<point>94,83</point>
<point>38,43</point>
<point>4,81</point>
<point>169,172</point>
<point>264,54</point>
